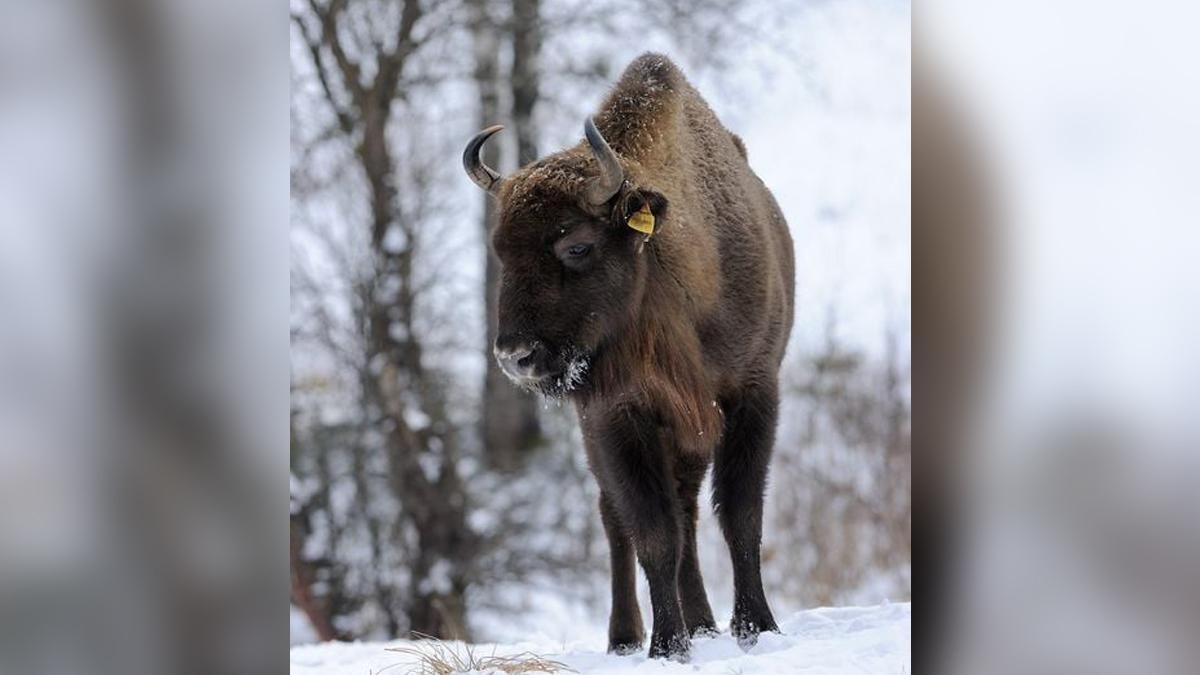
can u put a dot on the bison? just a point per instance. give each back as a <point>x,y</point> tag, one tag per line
<point>647,276</point>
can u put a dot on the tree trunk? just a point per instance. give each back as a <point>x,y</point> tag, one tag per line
<point>511,428</point>
<point>435,506</point>
<point>526,46</point>
<point>440,615</point>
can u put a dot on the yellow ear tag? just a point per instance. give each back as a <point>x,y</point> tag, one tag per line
<point>642,221</point>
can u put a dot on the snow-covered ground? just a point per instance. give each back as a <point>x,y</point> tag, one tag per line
<point>875,639</point>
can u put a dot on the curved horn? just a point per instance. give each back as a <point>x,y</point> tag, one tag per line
<point>481,173</point>
<point>608,183</point>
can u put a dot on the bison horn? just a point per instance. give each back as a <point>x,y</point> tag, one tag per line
<point>481,173</point>
<point>608,183</point>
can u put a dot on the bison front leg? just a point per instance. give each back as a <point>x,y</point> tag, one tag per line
<point>625,632</point>
<point>658,551</point>
<point>636,474</point>
<point>697,614</point>
<point>739,483</point>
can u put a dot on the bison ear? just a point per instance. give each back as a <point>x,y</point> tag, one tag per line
<point>641,210</point>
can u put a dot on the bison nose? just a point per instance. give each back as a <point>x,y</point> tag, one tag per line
<point>515,357</point>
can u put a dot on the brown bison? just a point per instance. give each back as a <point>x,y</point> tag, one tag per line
<point>647,275</point>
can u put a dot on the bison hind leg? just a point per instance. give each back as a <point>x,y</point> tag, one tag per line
<point>739,484</point>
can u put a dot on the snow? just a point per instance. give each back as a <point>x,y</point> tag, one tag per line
<point>876,639</point>
<point>301,629</point>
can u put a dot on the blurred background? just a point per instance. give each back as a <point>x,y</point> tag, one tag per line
<point>427,494</point>
<point>1058,305</point>
<point>143,338</point>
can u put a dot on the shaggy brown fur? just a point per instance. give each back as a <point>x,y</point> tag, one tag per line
<point>669,347</point>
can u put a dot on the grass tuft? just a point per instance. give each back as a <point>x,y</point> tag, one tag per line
<point>437,657</point>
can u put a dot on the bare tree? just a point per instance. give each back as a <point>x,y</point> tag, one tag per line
<point>511,428</point>
<point>358,54</point>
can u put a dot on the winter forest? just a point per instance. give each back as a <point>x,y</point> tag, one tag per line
<point>430,496</point>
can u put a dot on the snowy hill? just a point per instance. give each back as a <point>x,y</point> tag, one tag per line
<point>828,640</point>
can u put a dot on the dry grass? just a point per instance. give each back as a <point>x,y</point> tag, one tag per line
<point>435,657</point>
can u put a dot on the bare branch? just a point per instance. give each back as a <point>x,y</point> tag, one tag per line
<point>329,18</point>
<point>313,43</point>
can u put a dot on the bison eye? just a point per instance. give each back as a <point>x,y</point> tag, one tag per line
<point>578,250</point>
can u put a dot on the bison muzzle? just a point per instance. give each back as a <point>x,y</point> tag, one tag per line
<point>647,275</point>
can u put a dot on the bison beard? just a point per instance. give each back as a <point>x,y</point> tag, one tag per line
<point>667,341</point>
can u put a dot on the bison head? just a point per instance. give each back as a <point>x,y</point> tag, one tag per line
<point>572,272</point>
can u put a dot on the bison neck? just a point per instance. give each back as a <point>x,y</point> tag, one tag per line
<point>657,364</point>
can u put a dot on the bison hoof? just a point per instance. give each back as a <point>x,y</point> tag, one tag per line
<point>746,629</point>
<point>677,647</point>
<point>625,639</point>
<point>624,648</point>
<point>705,630</point>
